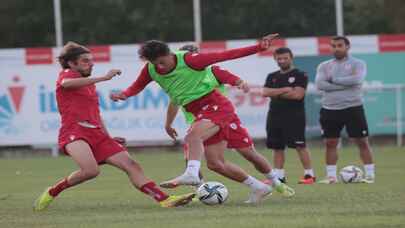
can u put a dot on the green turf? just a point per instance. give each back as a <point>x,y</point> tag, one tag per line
<point>110,201</point>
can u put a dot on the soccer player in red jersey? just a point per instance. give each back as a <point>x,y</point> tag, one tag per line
<point>83,135</point>
<point>187,79</point>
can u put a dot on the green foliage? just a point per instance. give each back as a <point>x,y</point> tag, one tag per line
<point>30,23</point>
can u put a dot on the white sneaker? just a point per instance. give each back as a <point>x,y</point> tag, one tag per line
<point>257,195</point>
<point>328,180</point>
<point>184,179</point>
<point>368,180</point>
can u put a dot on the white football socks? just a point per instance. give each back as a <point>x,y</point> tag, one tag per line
<point>309,172</point>
<point>331,171</point>
<point>280,173</point>
<point>273,177</point>
<point>193,167</point>
<point>254,183</point>
<point>370,170</point>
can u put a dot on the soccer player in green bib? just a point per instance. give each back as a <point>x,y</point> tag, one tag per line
<point>190,82</point>
<point>173,109</point>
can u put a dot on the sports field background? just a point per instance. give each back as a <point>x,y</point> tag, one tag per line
<point>110,201</point>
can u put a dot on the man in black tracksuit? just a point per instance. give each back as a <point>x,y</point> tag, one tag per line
<point>286,118</point>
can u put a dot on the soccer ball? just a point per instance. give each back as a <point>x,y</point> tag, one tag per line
<point>212,193</point>
<point>351,174</point>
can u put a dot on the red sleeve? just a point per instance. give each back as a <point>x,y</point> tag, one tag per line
<point>199,61</point>
<point>140,83</point>
<point>67,73</point>
<point>224,76</point>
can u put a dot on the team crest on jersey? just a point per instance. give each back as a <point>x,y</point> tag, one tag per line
<point>233,126</point>
<point>291,79</point>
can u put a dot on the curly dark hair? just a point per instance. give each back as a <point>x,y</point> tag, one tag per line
<point>71,52</point>
<point>153,49</point>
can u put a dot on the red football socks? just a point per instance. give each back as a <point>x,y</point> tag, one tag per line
<point>59,187</point>
<point>151,189</point>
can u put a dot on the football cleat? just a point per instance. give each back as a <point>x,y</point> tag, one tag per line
<point>307,179</point>
<point>285,190</point>
<point>176,201</point>
<point>368,180</point>
<point>184,179</point>
<point>43,201</point>
<point>258,195</point>
<point>328,180</point>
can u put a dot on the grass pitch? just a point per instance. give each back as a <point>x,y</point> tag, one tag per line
<point>110,201</point>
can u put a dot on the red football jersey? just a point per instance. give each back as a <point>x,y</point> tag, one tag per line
<point>78,104</point>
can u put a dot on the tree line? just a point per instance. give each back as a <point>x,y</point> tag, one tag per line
<point>31,23</point>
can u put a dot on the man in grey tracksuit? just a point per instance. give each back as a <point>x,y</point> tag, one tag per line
<point>340,80</point>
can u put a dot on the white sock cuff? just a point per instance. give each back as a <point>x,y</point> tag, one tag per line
<point>309,172</point>
<point>194,163</point>
<point>248,181</point>
<point>369,169</point>
<point>254,183</point>
<point>331,167</point>
<point>331,170</point>
<point>369,166</point>
<point>279,172</point>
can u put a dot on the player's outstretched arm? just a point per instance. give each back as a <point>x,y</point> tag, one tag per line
<point>243,85</point>
<point>72,83</point>
<point>201,60</point>
<point>140,83</point>
<point>265,42</point>
<point>116,96</point>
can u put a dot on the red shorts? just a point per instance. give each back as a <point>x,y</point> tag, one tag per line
<point>101,144</point>
<point>218,109</point>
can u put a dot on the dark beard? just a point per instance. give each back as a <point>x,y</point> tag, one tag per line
<point>285,68</point>
<point>339,57</point>
<point>85,74</point>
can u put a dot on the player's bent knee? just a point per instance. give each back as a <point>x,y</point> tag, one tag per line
<point>192,137</point>
<point>90,173</point>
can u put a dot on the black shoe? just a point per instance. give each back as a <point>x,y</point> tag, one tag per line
<point>283,180</point>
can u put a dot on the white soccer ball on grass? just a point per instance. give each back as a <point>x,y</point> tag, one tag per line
<point>212,193</point>
<point>351,174</point>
